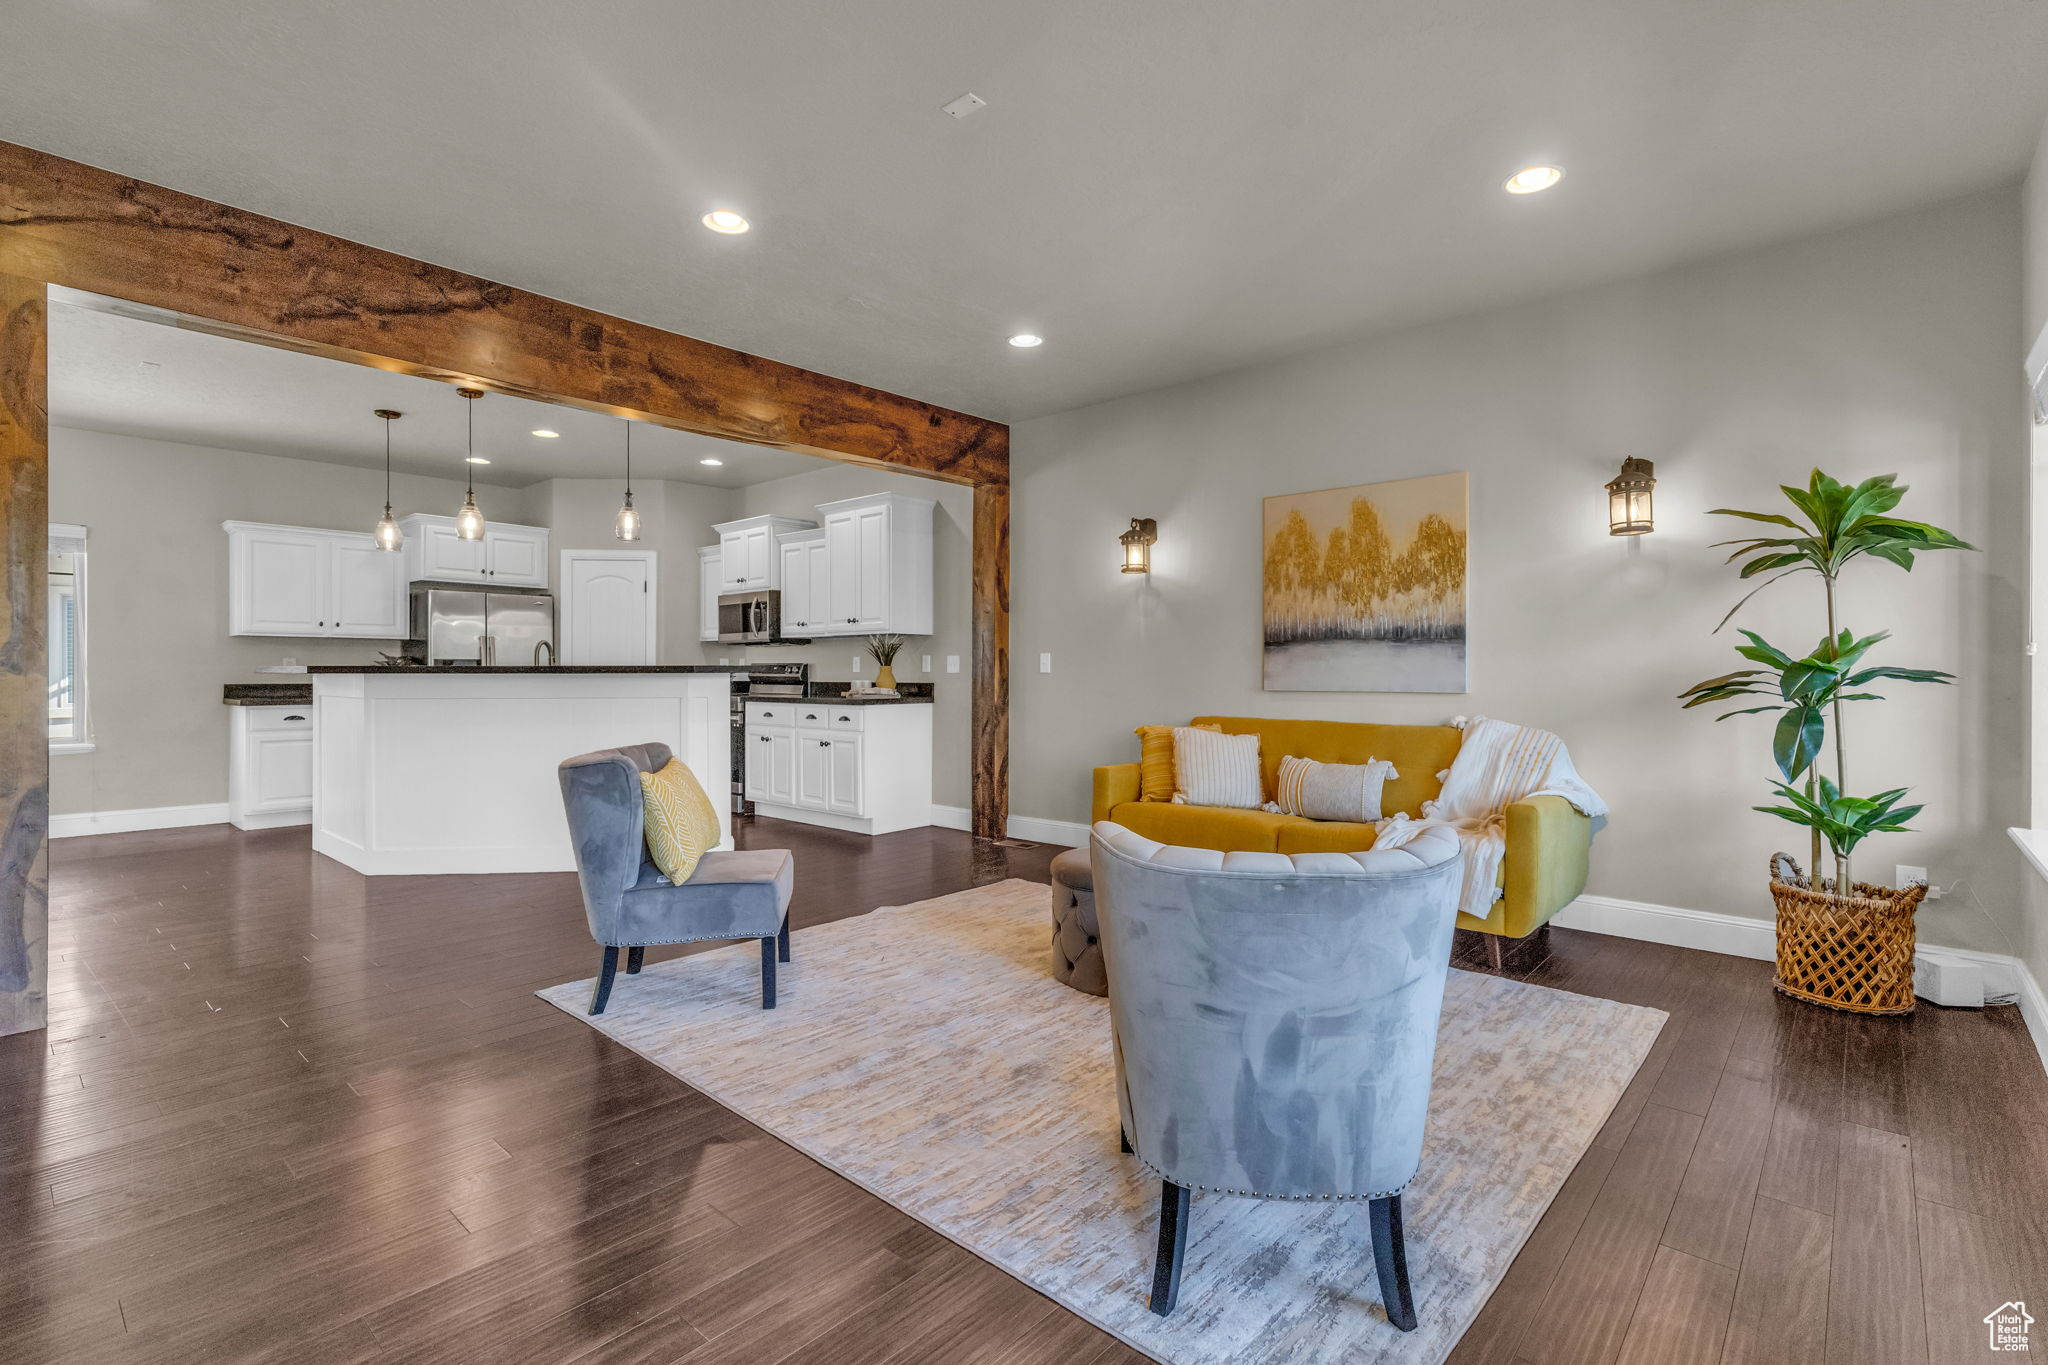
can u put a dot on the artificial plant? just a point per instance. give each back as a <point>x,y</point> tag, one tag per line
<point>1842,523</point>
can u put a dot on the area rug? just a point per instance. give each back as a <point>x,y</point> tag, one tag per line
<point>925,1053</point>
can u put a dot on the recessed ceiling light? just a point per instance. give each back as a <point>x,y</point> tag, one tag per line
<point>726,221</point>
<point>545,434</point>
<point>1027,340</point>
<point>1532,179</point>
<point>712,460</point>
<point>474,459</point>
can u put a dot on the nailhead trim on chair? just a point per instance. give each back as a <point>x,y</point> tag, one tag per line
<point>1261,1194</point>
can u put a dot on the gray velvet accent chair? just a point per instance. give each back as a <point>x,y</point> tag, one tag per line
<point>632,904</point>
<point>1275,1022</point>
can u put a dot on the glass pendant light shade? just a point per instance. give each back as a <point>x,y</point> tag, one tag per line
<point>469,522</point>
<point>388,536</point>
<point>626,526</point>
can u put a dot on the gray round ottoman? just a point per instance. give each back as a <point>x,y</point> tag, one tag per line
<point>1076,950</point>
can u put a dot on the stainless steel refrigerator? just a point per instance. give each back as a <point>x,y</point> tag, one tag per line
<point>452,625</point>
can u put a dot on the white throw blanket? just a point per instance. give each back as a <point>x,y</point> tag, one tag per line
<point>1497,765</point>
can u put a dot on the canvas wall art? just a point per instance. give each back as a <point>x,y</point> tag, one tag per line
<point>1365,588</point>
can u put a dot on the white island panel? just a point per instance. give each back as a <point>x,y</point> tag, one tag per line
<point>453,771</point>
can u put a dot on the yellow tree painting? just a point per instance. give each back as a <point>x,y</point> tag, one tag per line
<point>1365,588</point>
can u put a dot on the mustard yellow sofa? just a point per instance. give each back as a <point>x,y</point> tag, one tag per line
<point>1548,841</point>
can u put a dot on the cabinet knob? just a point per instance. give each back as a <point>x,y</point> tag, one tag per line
<point>824,744</point>
<point>846,718</point>
<point>853,620</point>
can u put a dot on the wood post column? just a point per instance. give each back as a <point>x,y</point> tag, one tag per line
<point>24,704</point>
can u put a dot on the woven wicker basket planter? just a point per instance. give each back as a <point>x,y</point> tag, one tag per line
<point>1846,952</point>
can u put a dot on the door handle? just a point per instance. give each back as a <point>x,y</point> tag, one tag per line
<point>294,717</point>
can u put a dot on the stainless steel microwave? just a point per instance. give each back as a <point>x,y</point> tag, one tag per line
<point>751,618</point>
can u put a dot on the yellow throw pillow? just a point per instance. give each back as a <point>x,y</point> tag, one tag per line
<point>1155,761</point>
<point>682,824</point>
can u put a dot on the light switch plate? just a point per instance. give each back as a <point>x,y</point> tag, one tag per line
<point>856,665</point>
<point>927,664</point>
<point>290,659</point>
<point>952,663</point>
<point>1045,663</point>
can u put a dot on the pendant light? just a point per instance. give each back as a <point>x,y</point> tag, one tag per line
<point>626,526</point>
<point>469,522</point>
<point>389,537</point>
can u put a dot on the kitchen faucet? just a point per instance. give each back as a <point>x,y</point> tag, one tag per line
<point>537,648</point>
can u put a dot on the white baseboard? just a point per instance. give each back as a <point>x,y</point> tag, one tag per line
<point>1740,936</point>
<point>127,821</point>
<point>277,819</point>
<point>1068,832</point>
<point>1030,827</point>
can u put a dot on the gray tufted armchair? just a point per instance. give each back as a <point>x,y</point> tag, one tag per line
<point>1275,1021</point>
<point>630,903</point>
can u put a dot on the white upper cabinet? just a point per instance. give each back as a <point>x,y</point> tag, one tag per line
<point>508,556</point>
<point>298,580</point>
<point>806,581</point>
<point>878,560</point>
<point>747,554</point>
<point>707,592</point>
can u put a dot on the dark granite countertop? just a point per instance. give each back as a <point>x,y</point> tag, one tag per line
<point>914,694</point>
<point>460,671</point>
<point>266,694</point>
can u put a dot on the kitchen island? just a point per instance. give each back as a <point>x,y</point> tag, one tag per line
<point>452,770</point>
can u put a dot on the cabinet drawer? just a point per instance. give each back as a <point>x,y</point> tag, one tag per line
<point>813,715</point>
<point>270,719</point>
<point>774,714</point>
<point>846,717</point>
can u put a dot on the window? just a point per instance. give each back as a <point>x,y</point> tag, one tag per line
<point>70,728</point>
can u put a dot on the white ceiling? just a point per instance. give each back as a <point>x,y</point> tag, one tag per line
<point>141,378</point>
<point>1162,188</point>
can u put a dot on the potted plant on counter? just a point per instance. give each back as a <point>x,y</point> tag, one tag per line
<point>1842,943</point>
<point>884,648</point>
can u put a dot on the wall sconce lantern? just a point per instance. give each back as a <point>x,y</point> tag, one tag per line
<point>1628,499</point>
<point>1137,543</point>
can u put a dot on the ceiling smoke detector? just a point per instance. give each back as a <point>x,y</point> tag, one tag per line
<point>965,105</point>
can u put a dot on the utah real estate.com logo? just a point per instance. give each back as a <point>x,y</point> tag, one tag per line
<point>2008,1324</point>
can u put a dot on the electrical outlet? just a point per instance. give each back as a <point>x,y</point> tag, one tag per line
<point>1045,663</point>
<point>952,663</point>
<point>927,664</point>
<point>1904,876</point>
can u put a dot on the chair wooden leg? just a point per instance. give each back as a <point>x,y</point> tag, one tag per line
<point>603,991</point>
<point>768,973</point>
<point>782,940</point>
<point>1390,1257</point>
<point>1173,1246</point>
<point>1493,950</point>
<point>633,956</point>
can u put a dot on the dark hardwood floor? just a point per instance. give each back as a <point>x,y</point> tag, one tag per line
<point>285,1112</point>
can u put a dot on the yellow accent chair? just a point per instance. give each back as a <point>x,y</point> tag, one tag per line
<point>1548,841</point>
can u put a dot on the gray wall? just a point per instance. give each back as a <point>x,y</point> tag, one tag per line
<point>1888,348</point>
<point>675,519</point>
<point>952,578</point>
<point>157,642</point>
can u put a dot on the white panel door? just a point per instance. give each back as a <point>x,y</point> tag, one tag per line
<point>781,747</point>
<point>732,561</point>
<point>843,794</point>
<point>707,592</point>
<point>365,590</point>
<point>282,583</point>
<point>447,557</point>
<point>516,556</point>
<point>796,586</point>
<point>813,771</point>
<point>817,574</point>
<point>608,607</point>
<point>281,770</point>
<point>858,543</point>
<point>760,778</point>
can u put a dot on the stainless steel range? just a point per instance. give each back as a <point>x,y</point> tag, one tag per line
<point>760,680</point>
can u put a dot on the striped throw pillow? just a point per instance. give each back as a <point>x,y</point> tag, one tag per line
<point>681,822</point>
<point>1331,791</point>
<point>1214,769</point>
<point>1155,761</point>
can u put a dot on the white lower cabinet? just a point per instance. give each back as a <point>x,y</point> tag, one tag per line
<point>862,768</point>
<point>270,766</point>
